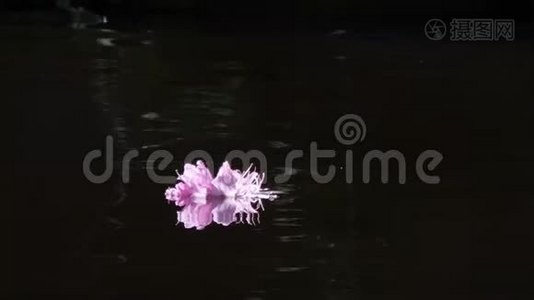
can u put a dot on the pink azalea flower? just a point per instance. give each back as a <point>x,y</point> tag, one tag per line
<point>230,197</point>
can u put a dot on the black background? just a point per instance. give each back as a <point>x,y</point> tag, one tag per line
<point>468,237</point>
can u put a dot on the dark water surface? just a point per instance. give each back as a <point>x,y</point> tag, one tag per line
<point>181,91</point>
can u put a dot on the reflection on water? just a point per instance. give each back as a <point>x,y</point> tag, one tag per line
<point>147,108</point>
<point>181,92</point>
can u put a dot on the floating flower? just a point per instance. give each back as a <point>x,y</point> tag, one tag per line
<point>232,196</point>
